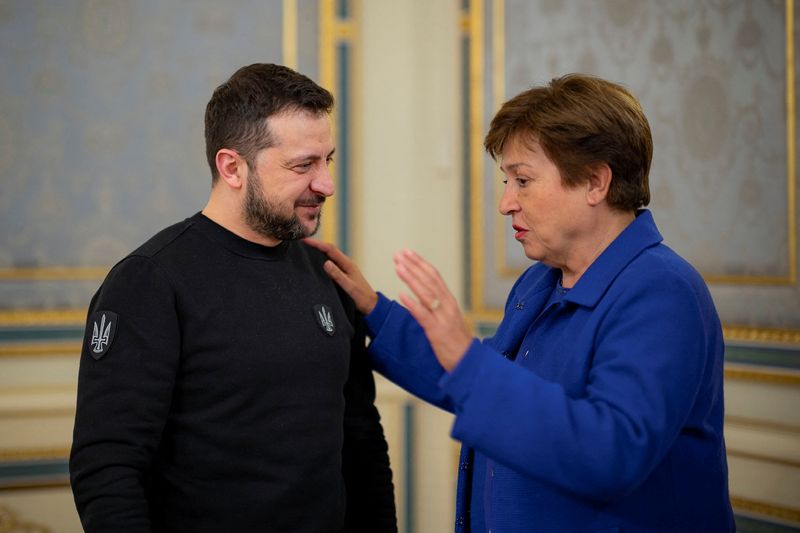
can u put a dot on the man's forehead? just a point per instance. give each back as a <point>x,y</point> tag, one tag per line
<point>296,125</point>
<point>294,114</point>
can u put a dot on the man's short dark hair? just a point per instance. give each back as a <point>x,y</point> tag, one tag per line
<point>236,115</point>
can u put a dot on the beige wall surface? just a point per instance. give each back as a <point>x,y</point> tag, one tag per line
<point>409,182</point>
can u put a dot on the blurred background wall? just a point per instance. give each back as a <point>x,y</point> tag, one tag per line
<point>101,108</point>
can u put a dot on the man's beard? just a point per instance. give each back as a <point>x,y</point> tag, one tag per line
<point>263,217</point>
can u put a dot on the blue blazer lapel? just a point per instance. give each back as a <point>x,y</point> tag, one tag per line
<point>522,308</point>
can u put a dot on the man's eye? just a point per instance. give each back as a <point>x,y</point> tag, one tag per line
<point>303,168</point>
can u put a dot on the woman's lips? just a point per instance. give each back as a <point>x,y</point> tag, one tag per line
<point>520,231</point>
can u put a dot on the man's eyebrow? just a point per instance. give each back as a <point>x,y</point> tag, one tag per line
<point>307,158</point>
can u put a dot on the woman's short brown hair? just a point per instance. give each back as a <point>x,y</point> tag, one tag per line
<point>582,121</point>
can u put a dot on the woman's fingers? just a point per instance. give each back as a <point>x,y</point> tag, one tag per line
<point>337,275</point>
<point>344,263</point>
<point>422,279</point>
<point>342,270</point>
<point>435,308</point>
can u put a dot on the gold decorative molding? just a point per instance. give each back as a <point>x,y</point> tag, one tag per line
<point>344,30</point>
<point>791,140</point>
<point>55,400</point>
<point>66,348</point>
<point>37,412</point>
<point>35,317</point>
<point>486,315</point>
<point>57,388</point>
<point>499,96</point>
<point>464,23</point>
<point>61,482</point>
<point>476,106</point>
<point>759,424</point>
<point>762,335</point>
<point>35,454</point>
<point>763,458</point>
<point>761,374</point>
<point>10,522</point>
<point>327,78</point>
<point>289,33</point>
<point>356,132</point>
<point>54,273</point>
<point>333,30</point>
<point>766,509</point>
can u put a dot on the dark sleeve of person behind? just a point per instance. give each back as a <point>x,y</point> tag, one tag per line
<point>365,457</point>
<point>125,383</point>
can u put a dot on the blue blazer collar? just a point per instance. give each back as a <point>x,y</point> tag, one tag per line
<point>640,234</point>
<point>538,282</point>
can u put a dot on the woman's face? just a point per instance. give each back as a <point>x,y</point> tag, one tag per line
<point>547,217</point>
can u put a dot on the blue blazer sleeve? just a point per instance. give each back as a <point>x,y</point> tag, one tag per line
<point>401,352</point>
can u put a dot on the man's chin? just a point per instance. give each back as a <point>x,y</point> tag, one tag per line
<point>310,228</point>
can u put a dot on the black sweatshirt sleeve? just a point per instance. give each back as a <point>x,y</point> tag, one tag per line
<point>124,397</point>
<point>365,461</point>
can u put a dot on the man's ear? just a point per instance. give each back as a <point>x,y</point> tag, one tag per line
<point>597,187</point>
<point>231,167</point>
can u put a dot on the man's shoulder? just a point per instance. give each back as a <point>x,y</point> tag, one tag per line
<point>314,259</point>
<point>163,239</point>
<point>145,261</point>
<point>308,253</point>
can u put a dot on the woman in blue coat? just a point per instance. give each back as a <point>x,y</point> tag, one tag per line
<point>597,405</point>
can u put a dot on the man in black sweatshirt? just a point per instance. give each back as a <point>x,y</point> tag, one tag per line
<point>224,383</point>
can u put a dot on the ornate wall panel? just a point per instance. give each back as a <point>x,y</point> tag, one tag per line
<point>716,79</point>
<point>101,125</point>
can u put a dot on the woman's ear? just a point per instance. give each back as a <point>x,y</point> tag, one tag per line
<point>231,167</point>
<point>599,183</point>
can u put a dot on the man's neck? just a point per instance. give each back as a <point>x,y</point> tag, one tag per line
<point>233,221</point>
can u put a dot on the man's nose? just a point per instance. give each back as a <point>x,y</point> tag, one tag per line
<point>323,182</point>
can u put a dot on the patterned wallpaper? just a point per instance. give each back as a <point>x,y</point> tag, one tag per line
<point>101,106</point>
<point>712,78</point>
<point>101,127</point>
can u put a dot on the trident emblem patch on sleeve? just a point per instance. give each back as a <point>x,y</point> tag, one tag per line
<point>103,326</point>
